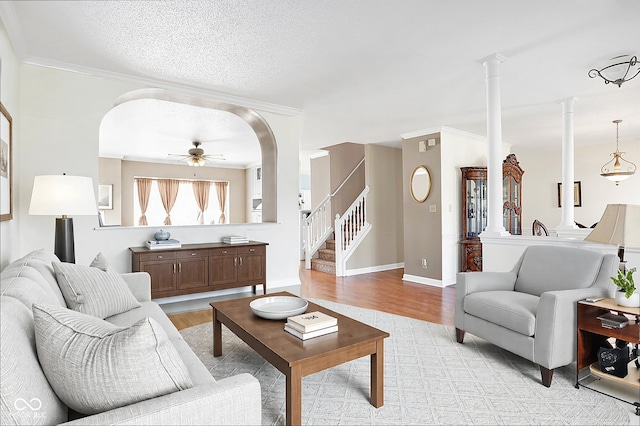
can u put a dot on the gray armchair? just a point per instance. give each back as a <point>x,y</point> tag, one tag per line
<point>531,310</point>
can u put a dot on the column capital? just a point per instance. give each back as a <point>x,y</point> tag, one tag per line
<point>494,58</point>
<point>568,101</point>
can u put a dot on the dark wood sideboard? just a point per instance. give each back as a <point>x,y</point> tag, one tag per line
<point>195,268</point>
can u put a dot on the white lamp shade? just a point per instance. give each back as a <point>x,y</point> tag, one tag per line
<point>57,195</point>
<point>619,225</point>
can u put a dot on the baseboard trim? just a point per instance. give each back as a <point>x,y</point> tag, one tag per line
<point>423,280</point>
<point>287,282</point>
<point>370,269</point>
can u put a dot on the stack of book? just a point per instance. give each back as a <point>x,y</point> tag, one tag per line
<point>611,320</point>
<point>311,324</point>
<point>163,244</point>
<point>235,240</point>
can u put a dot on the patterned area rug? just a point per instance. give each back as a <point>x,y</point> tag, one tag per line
<point>429,379</point>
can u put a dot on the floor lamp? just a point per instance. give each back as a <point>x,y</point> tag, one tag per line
<point>619,225</point>
<point>63,195</point>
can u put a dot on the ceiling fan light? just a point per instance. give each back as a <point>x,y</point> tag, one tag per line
<point>196,161</point>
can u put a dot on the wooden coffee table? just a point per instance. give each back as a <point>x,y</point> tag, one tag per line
<point>296,358</point>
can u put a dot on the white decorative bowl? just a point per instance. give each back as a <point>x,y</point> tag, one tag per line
<point>278,307</point>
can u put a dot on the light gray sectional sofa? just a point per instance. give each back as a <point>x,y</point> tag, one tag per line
<point>40,357</point>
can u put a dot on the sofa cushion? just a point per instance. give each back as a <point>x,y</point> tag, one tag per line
<point>510,309</point>
<point>25,290</point>
<point>94,291</point>
<point>41,261</point>
<point>94,366</point>
<point>27,397</point>
<point>197,371</point>
<point>16,275</point>
<point>549,268</point>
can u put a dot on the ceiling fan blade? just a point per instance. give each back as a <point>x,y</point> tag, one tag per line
<point>214,157</point>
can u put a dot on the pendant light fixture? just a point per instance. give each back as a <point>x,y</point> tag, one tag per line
<point>617,169</point>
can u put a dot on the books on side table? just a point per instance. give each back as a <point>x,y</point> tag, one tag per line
<point>611,320</point>
<point>311,324</point>
<point>163,244</point>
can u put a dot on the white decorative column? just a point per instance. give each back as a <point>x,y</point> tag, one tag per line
<point>495,226</point>
<point>568,220</point>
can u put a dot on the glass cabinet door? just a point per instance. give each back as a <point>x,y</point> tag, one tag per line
<point>476,219</point>
<point>511,194</point>
<point>516,229</point>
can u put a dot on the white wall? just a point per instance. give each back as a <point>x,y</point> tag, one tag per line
<point>61,113</point>
<point>9,81</point>
<point>543,171</point>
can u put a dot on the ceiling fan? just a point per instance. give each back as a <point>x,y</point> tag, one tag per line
<point>196,156</point>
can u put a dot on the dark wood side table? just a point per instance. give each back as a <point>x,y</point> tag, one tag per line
<point>592,335</point>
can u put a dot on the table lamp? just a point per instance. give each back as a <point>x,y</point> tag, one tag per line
<point>63,195</point>
<point>619,225</point>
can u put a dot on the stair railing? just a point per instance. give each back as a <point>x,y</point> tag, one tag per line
<point>350,230</point>
<point>317,229</point>
<point>318,224</point>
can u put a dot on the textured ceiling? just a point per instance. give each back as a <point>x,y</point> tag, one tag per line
<point>362,70</point>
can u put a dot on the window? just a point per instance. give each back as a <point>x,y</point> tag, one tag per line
<point>185,210</point>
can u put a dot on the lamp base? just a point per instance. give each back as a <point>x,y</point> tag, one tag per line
<point>623,263</point>
<point>64,247</point>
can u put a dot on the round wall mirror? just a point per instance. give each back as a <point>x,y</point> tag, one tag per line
<point>420,184</point>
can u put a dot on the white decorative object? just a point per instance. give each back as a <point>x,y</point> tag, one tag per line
<point>631,302</point>
<point>278,307</point>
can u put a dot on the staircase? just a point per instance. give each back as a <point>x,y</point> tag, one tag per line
<point>349,231</point>
<point>326,262</point>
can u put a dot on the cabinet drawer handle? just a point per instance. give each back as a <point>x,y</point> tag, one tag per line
<point>224,252</point>
<point>159,257</point>
<point>252,249</point>
<point>194,254</point>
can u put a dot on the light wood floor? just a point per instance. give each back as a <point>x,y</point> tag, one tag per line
<point>383,291</point>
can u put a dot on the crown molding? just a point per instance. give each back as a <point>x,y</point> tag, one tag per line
<point>181,88</point>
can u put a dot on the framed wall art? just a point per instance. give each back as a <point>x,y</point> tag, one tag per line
<point>577,194</point>
<point>6,165</point>
<point>105,197</point>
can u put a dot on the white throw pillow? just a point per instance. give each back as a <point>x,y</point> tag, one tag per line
<point>94,291</point>
<point>94,366</point>
<point>100,262</point>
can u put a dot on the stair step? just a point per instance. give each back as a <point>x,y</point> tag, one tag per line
<point>321,265</point>
<point>327,254</point>
<point>331,244</point>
